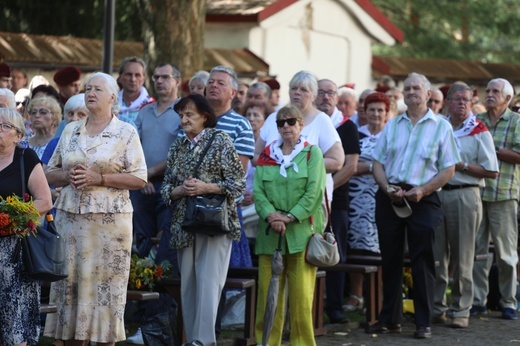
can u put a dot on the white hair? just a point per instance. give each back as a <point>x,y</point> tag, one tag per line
<point>348,91</point>
<point>74,103</point>
<point>425,82</point>
<point>11,102</point>
<point>112,87</point>
<point>306,79</point>
<point>507,89</point>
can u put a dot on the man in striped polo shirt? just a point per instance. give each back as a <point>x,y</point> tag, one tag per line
<point>500,202</point>
<point>220,90</point>
<point>414,157</point>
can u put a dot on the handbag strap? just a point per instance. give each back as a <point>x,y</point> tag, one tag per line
<point>204,152</point>
<point>22,172</point>
<point>328,228</point>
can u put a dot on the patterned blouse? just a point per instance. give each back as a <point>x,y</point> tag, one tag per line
<point>221,166</point>
<point>116,149</point>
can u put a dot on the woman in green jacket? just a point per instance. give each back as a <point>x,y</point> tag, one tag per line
<point>289,187</point>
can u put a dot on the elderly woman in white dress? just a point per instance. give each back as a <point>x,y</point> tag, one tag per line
<point>97,160</point>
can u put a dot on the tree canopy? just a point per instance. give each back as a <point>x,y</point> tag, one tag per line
<point>75,18</point>
<point>485,31</point>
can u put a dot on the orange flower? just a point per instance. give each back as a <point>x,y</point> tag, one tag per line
<point>4,220</point>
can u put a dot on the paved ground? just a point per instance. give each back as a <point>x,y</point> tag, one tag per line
<point>489,330</point>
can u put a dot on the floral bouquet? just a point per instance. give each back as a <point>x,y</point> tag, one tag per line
<point>144,273</point>
<point>18,216</point>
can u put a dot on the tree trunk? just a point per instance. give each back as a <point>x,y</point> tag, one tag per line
<point>173,32</point>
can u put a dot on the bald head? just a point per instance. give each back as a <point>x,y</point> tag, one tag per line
<point>436,101</point>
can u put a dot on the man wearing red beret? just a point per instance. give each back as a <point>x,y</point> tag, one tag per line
<point>68,80</point>
<point>5,76</point>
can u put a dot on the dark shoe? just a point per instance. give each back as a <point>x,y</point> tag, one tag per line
<point>383,328</point>
<point>337,317</point>
<point>423,333</point>
<point>509,314</point>
<point>478,310</point>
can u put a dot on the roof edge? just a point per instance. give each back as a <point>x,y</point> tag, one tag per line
<point>380,18</point>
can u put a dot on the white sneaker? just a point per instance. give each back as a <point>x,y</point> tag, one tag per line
<point>137,338</point>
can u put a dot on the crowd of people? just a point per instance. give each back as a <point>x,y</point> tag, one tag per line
<point>432,174</point>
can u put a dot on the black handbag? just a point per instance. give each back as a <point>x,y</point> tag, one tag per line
<point>44,254</point>
<point>206,214</point>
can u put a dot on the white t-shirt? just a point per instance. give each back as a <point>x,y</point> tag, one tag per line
<point>320,132</point>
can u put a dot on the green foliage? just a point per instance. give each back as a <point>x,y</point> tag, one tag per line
<point>485,31</point>
<point>78,18</point>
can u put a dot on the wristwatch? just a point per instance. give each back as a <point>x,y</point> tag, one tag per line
<point>465,168</point>
<point>291,217</point>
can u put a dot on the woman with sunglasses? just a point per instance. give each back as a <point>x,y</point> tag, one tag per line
<point>318,128</point>
<point>288,187</point>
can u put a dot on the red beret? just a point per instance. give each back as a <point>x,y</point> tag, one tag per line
<point>382,88</point>
<point>67,75</point>
<point>5,70</point>
<point>444,90</point>
<point>273,84</point>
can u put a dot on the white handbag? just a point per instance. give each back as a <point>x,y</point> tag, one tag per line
<point>322,249</point>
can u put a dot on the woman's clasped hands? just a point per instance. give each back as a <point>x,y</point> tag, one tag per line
<point>80,177</point>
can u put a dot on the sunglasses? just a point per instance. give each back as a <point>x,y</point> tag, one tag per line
<point>289,121</point>
<point>515,109</point>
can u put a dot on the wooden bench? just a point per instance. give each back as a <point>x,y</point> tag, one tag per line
<point>374,260</point>
<point>370,274</point>
<point>141,295</point>
<point>173,287</point>
<point>319,294</point>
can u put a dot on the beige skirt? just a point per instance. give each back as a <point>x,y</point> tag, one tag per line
<point>91,301</point>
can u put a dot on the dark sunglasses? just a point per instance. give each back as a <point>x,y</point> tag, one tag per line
<point>290,121</point>
<point>515,109</point>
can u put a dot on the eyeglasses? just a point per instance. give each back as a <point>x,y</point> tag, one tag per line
<point>42,111</point>
<point>5,127</point>
<point>329,93</point>
<point>515,109</point>
<point>459,99</point>
<point>289,121</point>
<point>164,77</point>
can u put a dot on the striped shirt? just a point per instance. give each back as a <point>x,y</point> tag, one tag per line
<point>506,134</point>
<point>415,154</point>
<point>240,131</point>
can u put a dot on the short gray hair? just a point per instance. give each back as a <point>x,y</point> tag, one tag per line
<point>202,76</point>
<point>348,91</point>
<point>12,116</point>
<point>507,89</point>
<point>425,82</point>
<point>130,59</point>
<point>307,79</point>
<point>229,71</point>
<point>112,87</point>
<point>458,87</point>
<point>11,101</point>
<point>263,86</point>
<point>74,103</point>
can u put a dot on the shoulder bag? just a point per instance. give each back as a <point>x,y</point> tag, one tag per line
<point>322,249</point>
<point>206,214</point>
<point>43,254</point>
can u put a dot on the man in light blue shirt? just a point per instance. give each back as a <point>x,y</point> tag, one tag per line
<point>414,157</point>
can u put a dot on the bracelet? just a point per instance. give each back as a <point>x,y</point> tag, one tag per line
<point>370,167</point>
<point>102,180</point>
